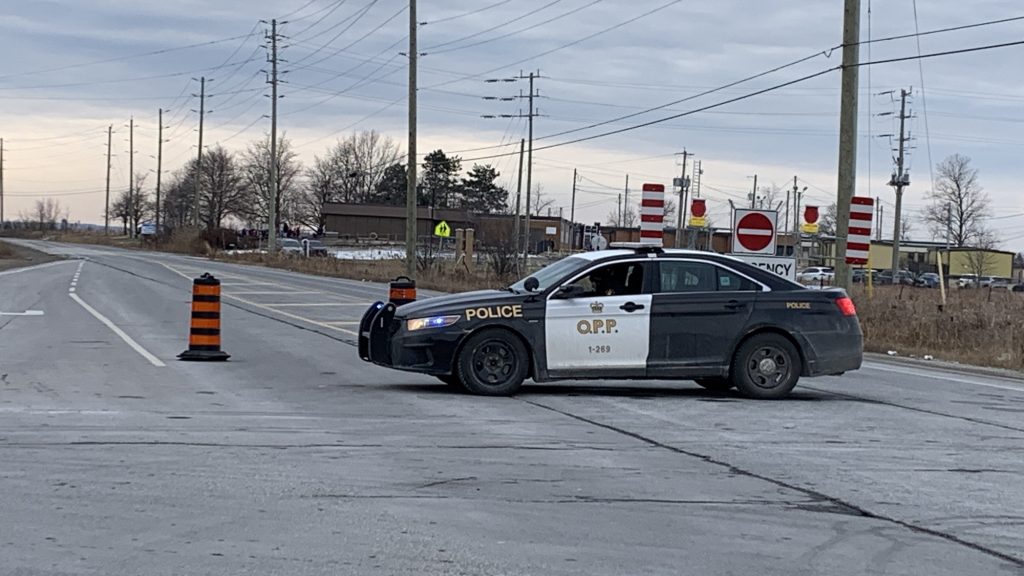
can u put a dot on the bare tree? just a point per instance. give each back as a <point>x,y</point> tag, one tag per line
<point>827,222</point>
<point>982,260</point>
<point>957,188</point>
<point>906,226</point>
<point>222,193</point>
<point>139,204</point>
<point>256,172</point>
<point>120,211</point>
<point>540,202</point>
<point>768,196</point>
<point>45,212</point>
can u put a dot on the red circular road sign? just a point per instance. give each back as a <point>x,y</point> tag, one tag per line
<point>698,208</point>
<point>755,231</point>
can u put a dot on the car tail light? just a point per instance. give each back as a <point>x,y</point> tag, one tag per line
<point>846,306</point>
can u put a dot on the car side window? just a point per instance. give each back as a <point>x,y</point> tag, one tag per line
<point>731,282</point>
<point>621,279</point>
<point>702,277</point>
<point>688,277</point>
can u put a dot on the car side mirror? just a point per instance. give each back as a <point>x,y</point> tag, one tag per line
<point>531,284</point>
<point>569,291</point>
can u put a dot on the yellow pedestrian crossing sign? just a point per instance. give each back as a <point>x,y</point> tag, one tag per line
<point>442,229</point>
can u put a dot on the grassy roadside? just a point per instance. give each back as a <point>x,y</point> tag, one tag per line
<point>13,256</point>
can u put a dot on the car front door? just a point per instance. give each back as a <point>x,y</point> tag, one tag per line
<point>698,312</point>
<point>603,329</point>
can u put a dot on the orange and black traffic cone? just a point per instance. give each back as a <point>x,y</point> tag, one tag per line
<point>204,332</point>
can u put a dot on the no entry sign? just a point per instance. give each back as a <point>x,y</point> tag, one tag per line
<point>754,231</point>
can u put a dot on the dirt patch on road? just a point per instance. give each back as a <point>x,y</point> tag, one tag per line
<point>13,256</point>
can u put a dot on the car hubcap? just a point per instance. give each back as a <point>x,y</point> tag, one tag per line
<point>494,363</point>
<point>769,367</point>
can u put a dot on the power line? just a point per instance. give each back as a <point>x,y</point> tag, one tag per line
<point>329,9</point>
<point>493,28</point>
<point>514,32</point>
<point>465,14</point>
<point>358,40</point>
<point>355,17</point>
<point>122,58</point>
<point>563,46</point>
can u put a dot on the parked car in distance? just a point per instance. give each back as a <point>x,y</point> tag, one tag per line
<point>928,280</point>
<point>317,248</point>
<point>1000,284</point>
<point>903,277</point>
<point>816,275</point>
<point>289,247</point>
<point>967,281</point>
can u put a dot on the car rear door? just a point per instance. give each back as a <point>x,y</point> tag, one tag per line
<point>603,332</point>
<point>699,311</point>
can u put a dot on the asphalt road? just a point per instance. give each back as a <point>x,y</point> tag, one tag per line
<point>297,458</point>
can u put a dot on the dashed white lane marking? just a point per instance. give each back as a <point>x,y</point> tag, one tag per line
<point>113,327</point>
<point>25,313</point>
<point>36,267</point>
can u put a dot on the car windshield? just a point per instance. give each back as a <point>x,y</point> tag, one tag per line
<point>316,244</point>
<point>551,274</point>
<point>289,243</point>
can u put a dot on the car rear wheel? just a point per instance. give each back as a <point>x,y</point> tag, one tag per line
<point>716,384</point>
<point>766,367</point>
<point>493,363</point>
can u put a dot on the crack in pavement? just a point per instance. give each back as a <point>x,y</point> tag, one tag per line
<point>848,507</point>
<point>914,409</point>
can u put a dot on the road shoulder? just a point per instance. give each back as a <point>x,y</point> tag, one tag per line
<point>16,256</point>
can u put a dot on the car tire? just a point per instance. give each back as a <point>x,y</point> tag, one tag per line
<point>766,367</point>
<point>492,363</point>
<point>716,384</point>
<point>453,382</point>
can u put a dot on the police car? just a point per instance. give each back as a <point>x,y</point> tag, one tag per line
<point>626,313</point>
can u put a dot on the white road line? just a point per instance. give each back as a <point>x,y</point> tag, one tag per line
<point>127,339</point>
<point>939,376</point>
<point>268,308</point>
<point>318,304</point>
<point>276,292</point>
<point>341,322</point>
<point>36,267</point>
<point>25,313</point>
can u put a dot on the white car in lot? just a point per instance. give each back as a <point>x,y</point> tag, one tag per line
<point>816,275</point>
<point>967,281</point>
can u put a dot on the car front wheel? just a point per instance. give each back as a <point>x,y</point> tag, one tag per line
<point>766,367</point>
<point>493,363</point>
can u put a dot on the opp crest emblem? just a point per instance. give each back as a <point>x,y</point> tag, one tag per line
<point>596,307</point>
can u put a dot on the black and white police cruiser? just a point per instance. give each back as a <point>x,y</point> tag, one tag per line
<point>632,312</point>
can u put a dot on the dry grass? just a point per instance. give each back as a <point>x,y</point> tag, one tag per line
<point>979,327</point>
<point>444,278</point>
<point>6,251</point>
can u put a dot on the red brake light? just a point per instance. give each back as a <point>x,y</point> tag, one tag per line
<point>846,306</point>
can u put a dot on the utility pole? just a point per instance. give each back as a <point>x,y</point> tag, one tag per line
<point>618,223</point>
<point>529,167</point>
<point>159,165</point>
<point>625,210</point>
<point>274,181</point>
<point>106,206</point>
<point>878,218</point>
<point>131,176</point>
<point>410,191</point>
<point>847,137</point>
<point>682,200</point>
<point>572,206</point>
<point>199,157</point>
<point>1,183</point>
<point>899,181</point>
<point>753,194</point>
<point>881,221</point>
<point>529,153</point>
<point>519,196</point>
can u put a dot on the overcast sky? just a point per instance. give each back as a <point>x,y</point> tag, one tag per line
<point>73,67</point>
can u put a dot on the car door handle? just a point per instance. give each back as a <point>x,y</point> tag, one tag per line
<point>735,305</point>
<point>631,307</point>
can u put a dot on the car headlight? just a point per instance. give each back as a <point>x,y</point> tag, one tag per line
<point>431,322</point>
